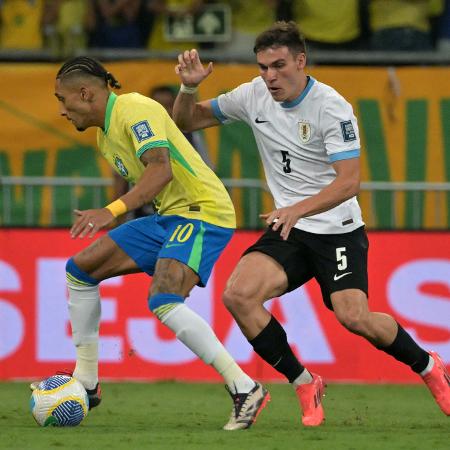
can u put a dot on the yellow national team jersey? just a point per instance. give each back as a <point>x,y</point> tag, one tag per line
<point>20,24</point>
<point>135,124</point>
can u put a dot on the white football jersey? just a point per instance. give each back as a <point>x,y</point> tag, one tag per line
<point>298,141</point>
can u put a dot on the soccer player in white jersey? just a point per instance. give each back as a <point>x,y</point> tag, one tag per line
<point>308,139</point>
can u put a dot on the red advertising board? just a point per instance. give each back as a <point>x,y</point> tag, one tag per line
<point>409,277</point>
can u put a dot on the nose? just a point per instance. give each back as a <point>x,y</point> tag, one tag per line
<point>62,110</point>
<point>271,74</point>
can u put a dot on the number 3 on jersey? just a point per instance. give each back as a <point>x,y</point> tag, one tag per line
<point>286,161</point>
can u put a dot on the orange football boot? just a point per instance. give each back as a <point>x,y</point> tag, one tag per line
<point>438,382</point>
<point>310,398</point>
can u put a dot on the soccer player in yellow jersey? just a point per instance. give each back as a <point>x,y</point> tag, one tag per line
<point>178,245</point>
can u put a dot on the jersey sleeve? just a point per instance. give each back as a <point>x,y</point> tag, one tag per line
<point>146,126</point>
<point>231,106</point>
<point>340,130</point>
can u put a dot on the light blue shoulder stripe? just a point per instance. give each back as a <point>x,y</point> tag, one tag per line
<point>216,111</point>
<point>349,154</point>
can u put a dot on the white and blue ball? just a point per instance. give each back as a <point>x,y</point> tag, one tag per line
<point>60,400</point>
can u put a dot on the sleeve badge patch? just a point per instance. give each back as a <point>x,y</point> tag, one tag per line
<point>348,132</point>
<point>142,131</point>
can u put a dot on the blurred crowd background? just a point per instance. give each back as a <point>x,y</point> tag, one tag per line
<point>68,27</point>
<point>47,169</point>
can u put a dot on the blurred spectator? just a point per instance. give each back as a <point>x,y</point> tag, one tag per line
<point>114,24</point>
<point>443,36</point>
<point>20,24</point>
<point>329,24</point>
<point>165,95</point>
<point>399,25</point>
<point>63,25</point>
<point>284,10</point>
<point>161,9</point>
<point>249,17</point>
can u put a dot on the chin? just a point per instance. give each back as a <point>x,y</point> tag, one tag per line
<point>278,98</point>
<point>80,128</point>
<point>278,95</point>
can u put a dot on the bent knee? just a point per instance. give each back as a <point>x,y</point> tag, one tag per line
<point>353,320</point>
<point>237,298</point>
<point>76,276</point>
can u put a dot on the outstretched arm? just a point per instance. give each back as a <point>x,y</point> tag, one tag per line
<point>187,113</point>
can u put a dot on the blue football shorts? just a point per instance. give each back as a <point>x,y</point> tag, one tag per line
<point>196,243</point>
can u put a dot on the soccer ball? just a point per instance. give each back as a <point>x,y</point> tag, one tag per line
<point>60,400</point>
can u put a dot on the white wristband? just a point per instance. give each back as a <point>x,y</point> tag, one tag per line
<point>188,89</point>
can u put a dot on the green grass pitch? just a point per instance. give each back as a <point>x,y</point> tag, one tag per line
<point>170,415</point>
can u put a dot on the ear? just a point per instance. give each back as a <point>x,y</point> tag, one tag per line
<point>301,61</point>
<point>85,94</point>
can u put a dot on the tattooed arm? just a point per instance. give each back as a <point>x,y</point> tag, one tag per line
<point>157,174</point>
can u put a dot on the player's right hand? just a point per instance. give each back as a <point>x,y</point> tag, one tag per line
<point>89,221</point>
<point>190,69</point>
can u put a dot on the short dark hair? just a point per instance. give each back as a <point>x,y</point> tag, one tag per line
<point>281,34</point>
<point>87,66</point>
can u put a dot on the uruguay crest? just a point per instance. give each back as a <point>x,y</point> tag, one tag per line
<point>304,131</point>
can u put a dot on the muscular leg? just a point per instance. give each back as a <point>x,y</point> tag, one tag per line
<point>257,278</point>
<point>104,259</point>
<point>172,283</point>
<point>351,309</point>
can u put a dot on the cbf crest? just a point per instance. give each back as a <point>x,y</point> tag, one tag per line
<point>121,166</point>
<point>304,131</point>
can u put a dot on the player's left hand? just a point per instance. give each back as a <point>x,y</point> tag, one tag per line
<point>285,218</point>
<point>90,221</point>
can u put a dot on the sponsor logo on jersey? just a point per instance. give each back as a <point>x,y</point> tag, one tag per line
<point>121,166</point>
<point>348,132</point>
<point>304,131</point>
<point>142,131</point>
<point>258,120</point>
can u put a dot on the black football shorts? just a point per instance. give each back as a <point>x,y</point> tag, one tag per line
<point>336,261</point>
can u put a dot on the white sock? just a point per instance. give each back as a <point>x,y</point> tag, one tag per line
<point>304,378</point>
<point>84,312</point>
<point>429,366</point>
<point>235,378</point>
<point>199,337</point>
<point>86,368</point>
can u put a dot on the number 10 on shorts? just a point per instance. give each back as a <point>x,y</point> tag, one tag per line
<point>182,233</point>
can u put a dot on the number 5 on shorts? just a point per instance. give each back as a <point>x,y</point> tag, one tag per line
<point>341,258</point>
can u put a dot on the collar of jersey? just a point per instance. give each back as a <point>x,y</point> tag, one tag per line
<point>109,107</point>
<point>297,100</point>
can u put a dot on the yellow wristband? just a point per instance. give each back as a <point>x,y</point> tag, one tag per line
<point>117,208</point>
